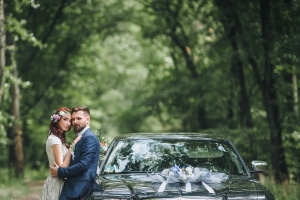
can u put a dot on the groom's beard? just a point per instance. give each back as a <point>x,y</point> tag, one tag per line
<point>77,128</point>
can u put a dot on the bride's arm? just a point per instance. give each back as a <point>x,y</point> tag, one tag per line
<point>67,159</point>
<point>58,155</point>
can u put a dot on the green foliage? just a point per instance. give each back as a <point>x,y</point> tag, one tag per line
<point>286,191</point>
<point>292,148</point>
<point>152,65</point>
<point>251,143</point>
<point>13,191</point>
<point>104,141</point>
<point>17,28</point>
<point>12,188</point>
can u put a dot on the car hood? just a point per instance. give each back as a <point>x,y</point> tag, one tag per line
<point>139,186</point>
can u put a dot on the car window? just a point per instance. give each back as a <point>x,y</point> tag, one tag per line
<point>145,155</point>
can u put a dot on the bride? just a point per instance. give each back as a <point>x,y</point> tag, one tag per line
<point>58,151</point>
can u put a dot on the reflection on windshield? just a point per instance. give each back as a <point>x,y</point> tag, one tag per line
<point>144,155</point>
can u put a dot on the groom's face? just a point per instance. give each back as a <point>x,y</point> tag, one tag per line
<point>79,120</point>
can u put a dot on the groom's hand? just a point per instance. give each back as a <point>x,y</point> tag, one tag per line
<point>53,170</point>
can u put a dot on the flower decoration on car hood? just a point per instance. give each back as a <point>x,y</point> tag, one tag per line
<point>188,175</point>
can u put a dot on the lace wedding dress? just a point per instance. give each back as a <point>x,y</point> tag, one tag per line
<point>53,185</point>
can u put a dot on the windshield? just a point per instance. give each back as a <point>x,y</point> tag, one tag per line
<point>144,155</point>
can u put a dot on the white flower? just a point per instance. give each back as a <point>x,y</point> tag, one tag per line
<point>189,170</point>
<point>165,172</point>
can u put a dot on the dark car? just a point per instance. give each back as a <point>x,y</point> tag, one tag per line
<point>176,166</point>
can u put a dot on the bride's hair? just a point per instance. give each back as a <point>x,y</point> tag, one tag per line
<point>54,127</point>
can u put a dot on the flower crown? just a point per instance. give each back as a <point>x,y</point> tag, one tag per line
<point>56,116</point>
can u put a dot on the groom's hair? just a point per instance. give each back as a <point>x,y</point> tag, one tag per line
<point>78,108</point>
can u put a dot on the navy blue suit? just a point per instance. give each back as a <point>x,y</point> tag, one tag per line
<point>83,167</point>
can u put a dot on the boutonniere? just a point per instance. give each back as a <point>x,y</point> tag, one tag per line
<point>72,150</point>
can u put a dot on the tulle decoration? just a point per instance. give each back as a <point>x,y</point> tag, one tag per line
<point>188,175</point>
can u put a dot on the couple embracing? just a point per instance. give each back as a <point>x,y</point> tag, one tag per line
<point>72,167</point>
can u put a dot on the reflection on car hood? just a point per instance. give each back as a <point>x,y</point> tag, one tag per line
<point>142,186</point>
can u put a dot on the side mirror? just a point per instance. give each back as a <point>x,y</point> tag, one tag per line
<point>258,166</point>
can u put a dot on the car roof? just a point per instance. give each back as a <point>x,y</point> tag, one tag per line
<point>172,136</point>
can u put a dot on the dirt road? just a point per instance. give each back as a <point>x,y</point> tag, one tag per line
<point>35,188</point>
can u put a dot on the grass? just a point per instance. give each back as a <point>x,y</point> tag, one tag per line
<point>12,189</point>
<point>287,191</point>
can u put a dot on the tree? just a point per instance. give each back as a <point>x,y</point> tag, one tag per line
<point>15,132</point>
<point>270,97</point>
<point>154,65</point>
<point>265,78</point>
<point>12,104</point>
<point>2,47</point>
<point>173,20</point>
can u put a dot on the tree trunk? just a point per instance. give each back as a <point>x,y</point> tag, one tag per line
<point>271,100</point>
<point>17,155</point>
<point>231,27</point>
<point>237,69</point>
<point>295,93</point>
<point>265,82</point>
<point>2,48</point>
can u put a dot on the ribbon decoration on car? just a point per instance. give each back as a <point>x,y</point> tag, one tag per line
<point>188,175</point>
<point>188,187</point>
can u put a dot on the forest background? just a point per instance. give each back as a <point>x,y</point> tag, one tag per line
<point>224,67</point>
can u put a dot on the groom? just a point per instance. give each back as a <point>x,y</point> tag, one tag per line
<point>84,162</point>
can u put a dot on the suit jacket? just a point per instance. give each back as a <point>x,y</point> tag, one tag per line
<point>83,166</point>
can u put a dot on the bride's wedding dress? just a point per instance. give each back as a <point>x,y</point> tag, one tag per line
<point>53,185</point>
